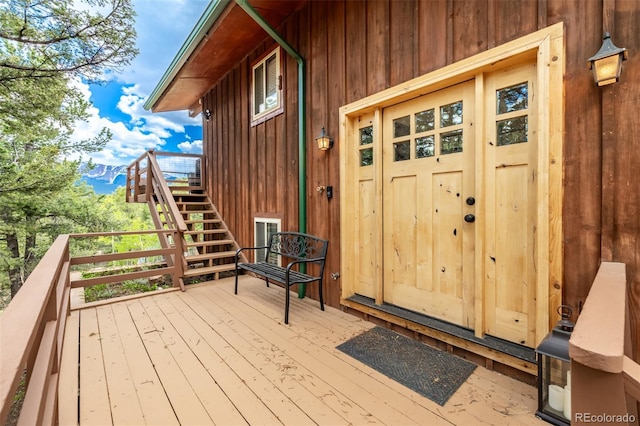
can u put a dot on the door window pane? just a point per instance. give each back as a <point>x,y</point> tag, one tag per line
<point>402,151</point>
<point>366,135</point>
<point>425,121</point>
<point>451,115</point>
<point>401,126</point>
<point>451,142</point>
<point>366,157</point>
<point>425,147</point>
<point>512,131</point>
<point>513,98</point>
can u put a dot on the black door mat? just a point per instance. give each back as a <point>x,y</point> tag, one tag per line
<point>509,348</point>
<point>430,372</point>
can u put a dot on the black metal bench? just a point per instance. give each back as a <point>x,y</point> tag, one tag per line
<point>303,249</point>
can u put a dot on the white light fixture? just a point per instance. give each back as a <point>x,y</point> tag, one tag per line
<point>324,141</point>
<point>607,63</point>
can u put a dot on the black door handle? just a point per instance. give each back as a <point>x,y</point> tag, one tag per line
<point>469,218</point>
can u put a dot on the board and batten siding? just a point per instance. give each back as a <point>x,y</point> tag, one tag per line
<point>354,49</point>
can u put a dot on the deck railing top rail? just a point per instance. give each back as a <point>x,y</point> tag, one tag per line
<point>598,339</point>
<point>605,379</point>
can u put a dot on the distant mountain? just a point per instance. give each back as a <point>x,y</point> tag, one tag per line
<point>104,179</point>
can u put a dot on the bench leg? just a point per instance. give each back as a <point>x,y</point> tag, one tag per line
<point>235,291</point>
<point>320,293</point>
<point>266,280</point>
<point>286,304</point>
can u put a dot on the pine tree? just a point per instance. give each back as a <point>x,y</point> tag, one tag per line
<point>45,47</point>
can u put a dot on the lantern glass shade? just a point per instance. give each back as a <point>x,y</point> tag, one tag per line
<point>324,141</point>
<point>607,63</point>
<point>554,374</point>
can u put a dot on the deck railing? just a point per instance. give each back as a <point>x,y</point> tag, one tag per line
<point>185,171</point>
<point>32,326</point>
<point>605,380</point>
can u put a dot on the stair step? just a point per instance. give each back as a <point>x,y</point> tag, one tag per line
<point>196,221</point>
<point>210,243</point>
<point>207,232</point>
<point>209,270</point>
<point>207,256</point>
<point>191,197</point>
<point>192,203</point>
<point>198,212</point>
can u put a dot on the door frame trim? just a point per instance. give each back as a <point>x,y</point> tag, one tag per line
<point>546,47</point>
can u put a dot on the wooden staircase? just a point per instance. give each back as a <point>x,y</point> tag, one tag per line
<point>209,246</point>
<point>173,186</point>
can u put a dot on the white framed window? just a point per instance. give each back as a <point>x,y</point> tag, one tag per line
<point>263,228</point>
<point>266,87</point>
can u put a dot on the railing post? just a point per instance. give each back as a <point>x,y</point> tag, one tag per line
<point>597,351</point>
<point>177,260</point>
<point>149,184</point>
<point>598,397</point>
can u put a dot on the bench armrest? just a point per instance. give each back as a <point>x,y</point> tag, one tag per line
<point>296,262</point>
<point>247,248</point>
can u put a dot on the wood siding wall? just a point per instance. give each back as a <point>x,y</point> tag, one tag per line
<point>357,48</point>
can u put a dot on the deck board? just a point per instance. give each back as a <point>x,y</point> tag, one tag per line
<point>95,410</point>
<point>68,385</point>
<point>207,356</point>
<point>154,402</point>
<point>123,398</point>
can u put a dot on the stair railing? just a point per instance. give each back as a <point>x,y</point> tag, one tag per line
<point>160,194</point>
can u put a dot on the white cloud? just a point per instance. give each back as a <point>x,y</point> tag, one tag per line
<point>194,147</point>
<point>127,143</point>
<point>162,27</point>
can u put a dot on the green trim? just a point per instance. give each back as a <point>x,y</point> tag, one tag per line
<point>302,120</point>
<point>199,32</point>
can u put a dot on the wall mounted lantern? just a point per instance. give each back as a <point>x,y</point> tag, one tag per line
<point>554,374</point>
<point>207,114</point>
<point>324,141</point>
<point>607,63</point>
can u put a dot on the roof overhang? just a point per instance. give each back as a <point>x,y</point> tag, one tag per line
<point>222,37</point>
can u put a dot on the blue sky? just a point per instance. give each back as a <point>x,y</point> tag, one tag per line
<point>162,27</point>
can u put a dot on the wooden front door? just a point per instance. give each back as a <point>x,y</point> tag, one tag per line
<point>450,201</point>
<point>428,190</point>
<point>510,222</point>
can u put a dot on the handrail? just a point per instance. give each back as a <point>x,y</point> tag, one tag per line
<point>605,381</point>
<point>28,332</point>
<point>32,326</point>
<point>597,340</point>
<point>165,193</point>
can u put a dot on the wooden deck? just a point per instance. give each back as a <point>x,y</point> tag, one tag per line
<point>206,356</point>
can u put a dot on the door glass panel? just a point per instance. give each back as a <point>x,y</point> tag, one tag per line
<point>401,126</point>
<point>451,142</point>
<point>512,131</point>
<point>402,151</point>
<point>451,115</point>
<point>425,146</point>
<point>366,157</point>
<point>513,98</point>
<point>425,120</point>
<point>366,135</point>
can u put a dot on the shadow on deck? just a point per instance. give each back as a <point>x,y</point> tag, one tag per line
<point>206,356</point>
